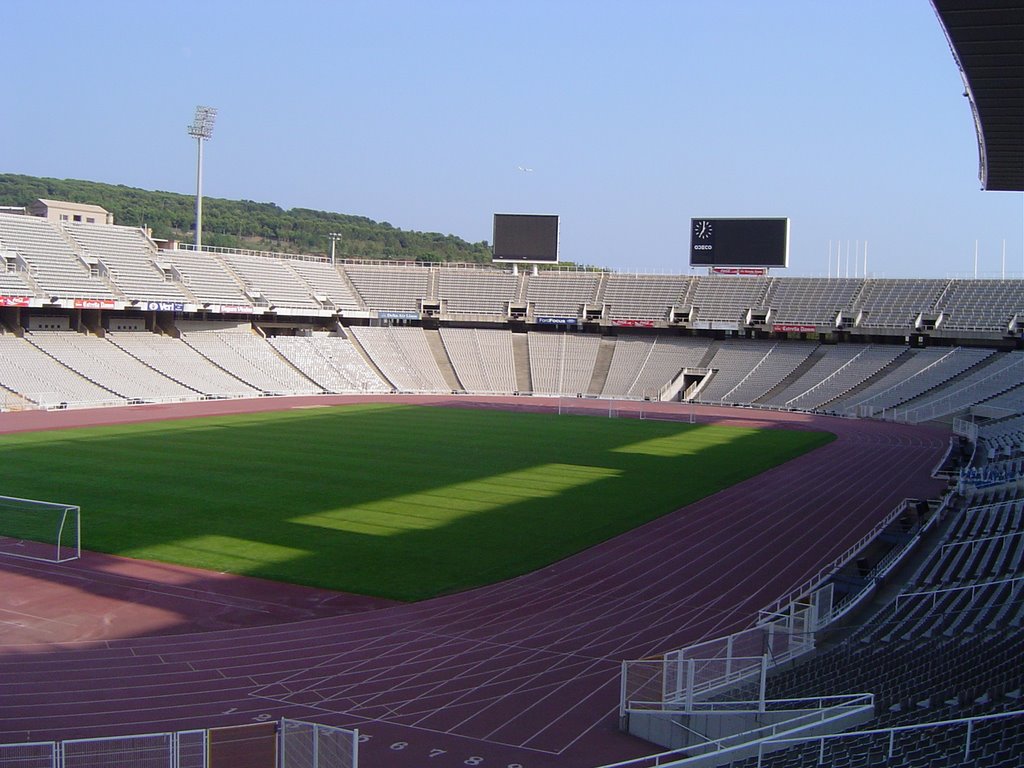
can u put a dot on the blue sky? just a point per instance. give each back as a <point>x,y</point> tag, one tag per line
<point>633,116</point>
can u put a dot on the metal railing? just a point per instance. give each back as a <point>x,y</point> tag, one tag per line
<point>827,708</point>
<point>890,733</point>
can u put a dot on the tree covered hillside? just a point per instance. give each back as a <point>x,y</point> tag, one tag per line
<point>246,224</point>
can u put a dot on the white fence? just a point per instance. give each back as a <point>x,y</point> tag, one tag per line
<point>676,681</point>
<point>886,740</point>
<point>309,745</point>
<point>297,744</point>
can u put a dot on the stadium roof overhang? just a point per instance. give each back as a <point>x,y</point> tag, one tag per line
<point>987,39</point>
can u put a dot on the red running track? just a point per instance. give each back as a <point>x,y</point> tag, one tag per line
<point>522,673</point>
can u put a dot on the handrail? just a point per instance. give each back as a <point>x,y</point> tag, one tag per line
<point>935,406</point>
<point>961,588</point>
<point>825,572</point>
<point>750,372</point>
<point>789,403</point>
<point>249,252</point>
<point>867,401</point>
<point>968,721</point>
<point>855,702</point>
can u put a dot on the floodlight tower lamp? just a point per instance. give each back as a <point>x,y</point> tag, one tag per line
<point>335,237</point>
<point>201,130</point>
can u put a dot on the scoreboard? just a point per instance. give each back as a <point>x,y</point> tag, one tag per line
<point>521,237</point>
<point>739,243</point>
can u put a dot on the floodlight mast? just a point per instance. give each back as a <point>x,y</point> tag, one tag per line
<point>201,130</point>
<point>335,237</point>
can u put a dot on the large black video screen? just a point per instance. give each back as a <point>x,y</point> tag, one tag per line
<point>739,242</point>
<point>525,237</point>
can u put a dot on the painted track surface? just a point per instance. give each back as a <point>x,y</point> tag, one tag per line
<point>522,673</point>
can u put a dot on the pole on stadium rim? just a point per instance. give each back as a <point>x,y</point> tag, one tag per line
<point>201,130</point>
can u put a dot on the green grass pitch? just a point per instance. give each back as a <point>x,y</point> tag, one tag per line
<point>396,501</point>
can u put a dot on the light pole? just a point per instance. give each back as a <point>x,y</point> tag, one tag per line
<point>201,130</point>
<point>335,237</point>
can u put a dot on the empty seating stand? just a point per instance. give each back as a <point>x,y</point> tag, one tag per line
<point>274,280</point>
<point>897,303</point>
<point>247,356</point>
<point>952,651</point>
<point>980,305</point>
<point>109,366</point>
<point>388,287</point>
<point>325,280</point>
<point>643,297</point>
<point>128,258</point>
<point>482,359</point>
<point>330,361</point>
<point>562,363</point>
<point>178,361</point>
<point>727,299</point>
<point>206,278</point>
<point>811,300</point>
<point>403,356</point>
<point>50,260</point>
<point>469,291</point>
<point>561,294</point>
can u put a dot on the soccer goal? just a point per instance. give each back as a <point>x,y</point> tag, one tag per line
<point>40,530</point>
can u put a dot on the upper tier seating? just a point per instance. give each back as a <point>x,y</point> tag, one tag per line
<point>325,280</point>
<point>897,303</point>
<point>12,283</point>
<point>390,288</point>
<point>643,297</point>
<point>981,305</point>
<point>129,257</point>
<point>51,262</point>
<point>811,300</point>
<point>273,279</point>
<point>476,291</point>
<point>727,299</point>
<point>205,277</point>
<point>561,294</point>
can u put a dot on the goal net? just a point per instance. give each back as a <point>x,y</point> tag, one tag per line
<point>40,530</point>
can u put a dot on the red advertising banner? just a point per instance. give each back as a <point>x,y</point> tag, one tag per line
<point>95,303</point>
<point>14,301</point>
<point>789,328</point>
<point>757,271</point>
<point>634,323</point>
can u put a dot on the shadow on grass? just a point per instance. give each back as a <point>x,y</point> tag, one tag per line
<point>396,501</point>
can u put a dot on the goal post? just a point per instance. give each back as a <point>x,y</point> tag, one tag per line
<point>40,530</point>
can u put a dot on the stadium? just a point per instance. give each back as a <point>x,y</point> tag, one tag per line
<point>723,519</point>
